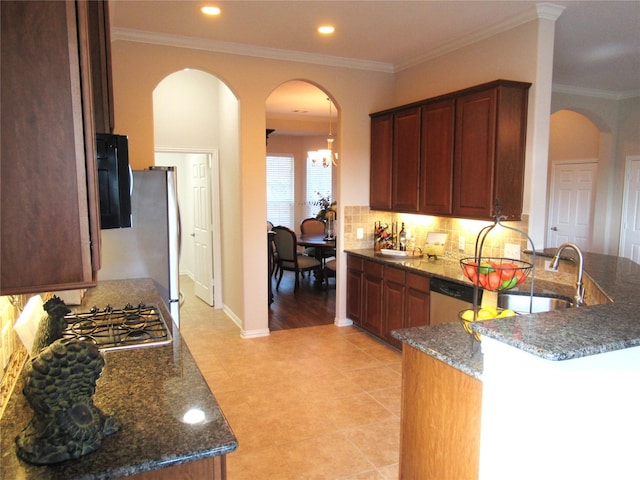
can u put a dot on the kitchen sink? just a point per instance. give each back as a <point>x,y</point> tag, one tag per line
<point>521,302</point>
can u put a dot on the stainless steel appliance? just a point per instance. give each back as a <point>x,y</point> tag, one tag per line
<point>151,247</point>
<point>119,328</point>
<point>447,298</point>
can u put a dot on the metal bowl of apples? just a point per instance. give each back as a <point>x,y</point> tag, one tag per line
<point>495,274</point>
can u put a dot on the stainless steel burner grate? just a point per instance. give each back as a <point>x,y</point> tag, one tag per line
<point>116,329</point>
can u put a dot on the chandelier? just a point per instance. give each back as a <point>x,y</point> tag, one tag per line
<point>324,156</point>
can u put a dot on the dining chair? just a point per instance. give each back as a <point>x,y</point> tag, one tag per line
<point>273,252</point>
<point>288,258</point>
<point>329,270</point>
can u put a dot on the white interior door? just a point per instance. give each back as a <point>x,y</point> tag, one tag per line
<point>630,225</point>
<point>572,203</point>
<point>202,227</point>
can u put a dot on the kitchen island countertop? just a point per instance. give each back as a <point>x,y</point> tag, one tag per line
<point>148,390</point>
<point>558,335</point>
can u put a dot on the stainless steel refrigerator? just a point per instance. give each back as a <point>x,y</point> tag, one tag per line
<point>151,247</point>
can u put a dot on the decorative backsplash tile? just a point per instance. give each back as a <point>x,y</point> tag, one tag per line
<point>418,226</point>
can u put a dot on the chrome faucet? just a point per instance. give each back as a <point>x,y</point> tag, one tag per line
<point>579,298</point>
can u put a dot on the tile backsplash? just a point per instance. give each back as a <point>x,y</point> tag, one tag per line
<point>418,226</point>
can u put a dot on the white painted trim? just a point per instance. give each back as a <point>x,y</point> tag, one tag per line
<point>342,322</point>
<point>262,332</point>
<point>592,92</point>
<point>214,178</point>
<point>625,193</point>
<point>180,41</point>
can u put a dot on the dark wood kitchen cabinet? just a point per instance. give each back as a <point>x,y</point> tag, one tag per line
<point>490,140</point>
<point>372,294</point>
<point>406,160</point>
<point>471,153</point>
<point>380,167</point>
<point>395,160</point>
<point>355,271</point>
<point>382,298</point>
<point>393,302</point>
<point>49,204</point>
<point>436,157</point>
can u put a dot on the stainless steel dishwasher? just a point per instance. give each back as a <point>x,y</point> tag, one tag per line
<point>447,298</point>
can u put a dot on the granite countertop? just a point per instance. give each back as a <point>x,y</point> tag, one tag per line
<point>557,335</point>
<point>148,390</point>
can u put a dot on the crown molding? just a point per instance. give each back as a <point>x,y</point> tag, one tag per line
<point>508,24</point>
<point>196,43</point>
<point>592,92</point>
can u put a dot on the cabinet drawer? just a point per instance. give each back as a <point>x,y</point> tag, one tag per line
<point>373,269</point>
<point>355,263</point>
<point>392,274</point>
<point>417,282</point>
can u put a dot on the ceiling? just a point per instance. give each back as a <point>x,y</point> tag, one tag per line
<point>597,44</point>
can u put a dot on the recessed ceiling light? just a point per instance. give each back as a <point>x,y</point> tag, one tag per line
<point>209,10</point>
<point>326,29</point>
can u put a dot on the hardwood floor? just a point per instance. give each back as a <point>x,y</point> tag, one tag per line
<point>311,305</point>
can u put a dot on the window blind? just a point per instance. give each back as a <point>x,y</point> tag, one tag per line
<point>280,190</point>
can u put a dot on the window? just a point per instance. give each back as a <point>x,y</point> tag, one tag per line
<point>280,190</point>
<point>318,185</point>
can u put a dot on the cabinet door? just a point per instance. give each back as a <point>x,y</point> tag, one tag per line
<point>100,54</point>
<point>380,166</point>
<point>436,157</point>
<point>406,160</point>
<point>474,154</point>
<point>354,288</point>
<point>417,293</point>
<point>372,294</point>
<point>48,200</point>
<point>393,303</point>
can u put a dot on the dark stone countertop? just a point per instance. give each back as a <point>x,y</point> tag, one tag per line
<point>148,390</point>
<point>557,335</point>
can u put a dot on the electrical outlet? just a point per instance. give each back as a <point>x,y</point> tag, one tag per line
<point>461,243</point>
<point>547,266</point>
<point>512,251</point>
<point>359,233</point>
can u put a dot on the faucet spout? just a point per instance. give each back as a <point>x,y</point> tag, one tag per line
<point>579,298</point>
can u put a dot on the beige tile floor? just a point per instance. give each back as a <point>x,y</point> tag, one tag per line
<point>309,403</point>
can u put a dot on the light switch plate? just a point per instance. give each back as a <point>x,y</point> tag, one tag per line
<point>512,250</point>
<point>359,233</point>
<point>461,243</point>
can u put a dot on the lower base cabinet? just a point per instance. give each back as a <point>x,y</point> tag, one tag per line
<point>440,420</point>
<point>382,298</point>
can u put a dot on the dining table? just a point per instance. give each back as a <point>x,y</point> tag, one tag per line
<point>321,243</point>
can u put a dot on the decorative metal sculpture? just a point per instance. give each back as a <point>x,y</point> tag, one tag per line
<point>59,385</point>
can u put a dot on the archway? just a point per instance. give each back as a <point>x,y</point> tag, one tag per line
<point>190,107</point>
<point>299,118</point>
<point>573,163</point>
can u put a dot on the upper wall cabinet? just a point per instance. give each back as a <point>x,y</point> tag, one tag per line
<point>380,168</point>
<point>467,159</point>
<point>100,55</point>
<point>49,216</point>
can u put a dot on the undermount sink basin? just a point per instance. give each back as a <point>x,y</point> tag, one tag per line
<point>521,303</point>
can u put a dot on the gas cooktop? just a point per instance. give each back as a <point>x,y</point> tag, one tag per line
<point>119,328</point>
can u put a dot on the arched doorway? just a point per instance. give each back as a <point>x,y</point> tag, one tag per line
<point>574,152</point>
<point>299,118</point>
<point>189,108</point>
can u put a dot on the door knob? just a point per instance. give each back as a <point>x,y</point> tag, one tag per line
<point>555,229</point>
<point>192,234</point>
